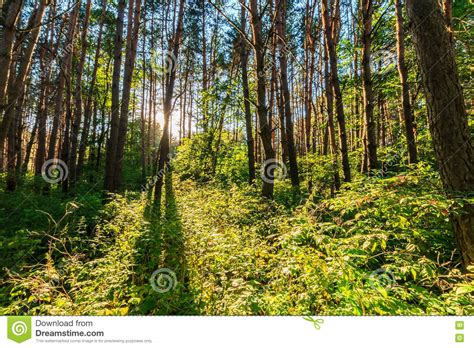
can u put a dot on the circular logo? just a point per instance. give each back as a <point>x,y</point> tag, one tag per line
<point>19,328</point>
<point>384,60</point>
<point>164,62</point>
<point>163,280</point>
<point>273,169</point>
<point>54,171</point>
<point>382,278</point>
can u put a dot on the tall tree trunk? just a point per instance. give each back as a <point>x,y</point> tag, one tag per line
<point>403,72</point>
<point>29,147</point>
<point>370,126</point>
<point>309,71</point>
<point>17,89</point>
<point>131,53</point>
<point>281,114</point>
<point>281,7</point>
<point>204,66</point>
<point>90,95</point>
<point>11,155</point>
<point>42,113</point>
<point>265,129</point>
<point>164,149</point>
<point>14,140</point>
<point>331,29</point>
<point>77,116</point>
<point>446,113</point>
<point>331,131</point>
<point>65,66</point>
<point>142,112</point>
<point>11,12</point>
<point>112,142</point>
<point>245,87</point>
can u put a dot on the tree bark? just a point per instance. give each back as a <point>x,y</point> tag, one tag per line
<point>17,89</point>
<point>281,7</point>
<point>11,10</point>
<point>446,113</point>
<point>330,110</point>
<point>265,129</point>
<point>29,147</point>
<point>131,53</point>
<point>245,89</point>
<point>403,73</point>
<point>90,95</point>
<point>370,127</point>
<point>112,142</point>
<point>309,73</point>
<point>164,149</point>
<point>77,116</point>
<point>65,68</point>
<point>331,29</point>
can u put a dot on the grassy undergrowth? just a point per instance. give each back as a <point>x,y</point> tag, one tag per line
<point>380,246</point>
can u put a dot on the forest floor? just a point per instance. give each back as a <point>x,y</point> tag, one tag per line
<point>380,246</point>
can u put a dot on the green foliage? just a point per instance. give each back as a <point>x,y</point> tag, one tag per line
<point>253,257</point>
<point>81,272</point>
<point>235,253</point>
<point>228,165</point>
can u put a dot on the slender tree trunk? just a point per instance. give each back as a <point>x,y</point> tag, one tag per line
<point>131,52</point>
<point>29,147</point>
<point>16,90</point>
<point>190,111</point>
<point>14,141</point>
<point>42,114</point>
<point>331,131</point>
<point>11,155</point>
<point>204,66</point>
<point>11,12</point>
<point>331,28</point>
<point>447,114</point>
<point>77,115</point>
<point>112,142</point>
<point>142,112</point>
<point>370,126</point>
<point>309,73</point>
<point>403,72</point>
<point>164,149</point>
<point>90,95</point>
<point>281,30</point>
<point>265,129</point>
<point>281,114</point>
<point>245,86</point>
<point>65,66</point>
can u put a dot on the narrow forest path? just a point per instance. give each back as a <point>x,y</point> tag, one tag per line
<point>166,253</point>
<point>207,239</point>
<point>224,248</point>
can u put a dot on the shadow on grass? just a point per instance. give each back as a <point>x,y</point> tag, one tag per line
<point>164,254</point>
